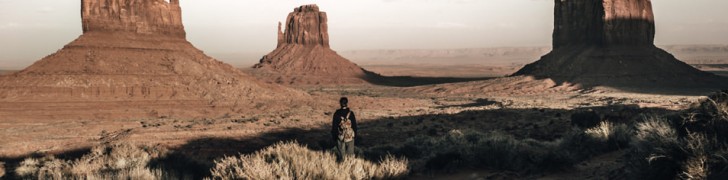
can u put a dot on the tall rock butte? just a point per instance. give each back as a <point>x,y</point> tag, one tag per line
<point>131,61</point>
<point>303,54</point>
<point>611,42</point>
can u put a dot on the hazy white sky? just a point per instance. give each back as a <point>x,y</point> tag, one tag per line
<point>32,29</point>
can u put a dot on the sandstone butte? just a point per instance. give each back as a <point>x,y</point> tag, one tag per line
<point>611,42</point>
<point>132,61</point>
<point>303,54</point>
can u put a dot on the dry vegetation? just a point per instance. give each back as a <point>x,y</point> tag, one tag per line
<point>693,146</point>
<point>501,151</point>
<point>116,161</point>
<point>293,161</point>
<point>689,144</point>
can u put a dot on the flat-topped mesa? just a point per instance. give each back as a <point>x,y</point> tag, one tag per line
<point>306,25</point>
<point>133,61</point>
<point>603,23</point>
<point>611,42</point>
<point>154,17</point>
<point>307,8</point>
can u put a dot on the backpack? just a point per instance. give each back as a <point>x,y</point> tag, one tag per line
<point>346,132</point>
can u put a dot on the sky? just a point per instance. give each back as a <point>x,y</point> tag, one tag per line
<point>32,29</point>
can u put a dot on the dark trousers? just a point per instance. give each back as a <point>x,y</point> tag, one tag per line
<point>344,149</point>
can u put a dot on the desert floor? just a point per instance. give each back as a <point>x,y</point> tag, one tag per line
<point>521,106</point>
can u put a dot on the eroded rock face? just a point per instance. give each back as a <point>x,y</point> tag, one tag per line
<point>611,42</point>
<point>132,61</point>
<point>306,25</point>
<point>137,16</point>
<point>303,54</point>
<point>603,23</point>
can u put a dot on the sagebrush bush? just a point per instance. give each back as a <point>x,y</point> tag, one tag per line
<point>291,160</point>
<point>115,161</point>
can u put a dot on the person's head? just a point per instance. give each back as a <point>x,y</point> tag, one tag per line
<point>344,102</point>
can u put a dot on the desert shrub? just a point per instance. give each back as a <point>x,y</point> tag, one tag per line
<point>43,168</point>
<point>502,151</point>
<point>497,150</point>
<point>709,117</point>
<point>115,161</point>
<point>605,137</point>
<point>293,161</point>
<point>692,147</point>
<point>696,162</point>
<point>655,150</point>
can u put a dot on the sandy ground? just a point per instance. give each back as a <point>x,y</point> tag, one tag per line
<point>522,106</point>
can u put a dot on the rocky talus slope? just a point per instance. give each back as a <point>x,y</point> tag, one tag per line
<point>303,54</point>
<point>611,42</point>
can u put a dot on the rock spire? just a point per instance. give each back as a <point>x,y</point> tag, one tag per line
<point>303,54</point>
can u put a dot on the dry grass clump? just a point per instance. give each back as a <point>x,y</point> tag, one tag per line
<point>694,146</point>
<point>116,161</point>
<point>654,150</point>
<point>605,137</point>
<point>293,161</point>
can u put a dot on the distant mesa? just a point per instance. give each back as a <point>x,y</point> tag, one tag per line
<point>303,54</point>
<point>132,61</point>
<point>611,42</point>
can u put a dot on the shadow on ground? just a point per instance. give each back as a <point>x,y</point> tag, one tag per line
<point>477,103</point>
<point>410,81</point>
<point>196,157</point>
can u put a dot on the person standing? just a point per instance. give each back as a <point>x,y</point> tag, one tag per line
<point>344,130</point>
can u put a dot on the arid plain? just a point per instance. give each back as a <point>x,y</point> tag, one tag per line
<point>117,84</point>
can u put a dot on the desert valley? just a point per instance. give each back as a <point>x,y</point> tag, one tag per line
<point>132,98</point>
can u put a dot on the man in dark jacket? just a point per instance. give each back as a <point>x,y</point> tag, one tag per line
<point>344,147</point>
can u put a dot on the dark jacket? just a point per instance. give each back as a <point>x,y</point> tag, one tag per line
<point>337,119</point>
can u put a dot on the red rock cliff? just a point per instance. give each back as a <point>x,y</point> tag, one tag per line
<point>306,25</point>
<point>603,23</point>
<point>137,16</point>
<point>611,42</point>
<point>132,61</point>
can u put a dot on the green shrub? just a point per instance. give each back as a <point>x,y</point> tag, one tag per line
<point>293,161</point>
